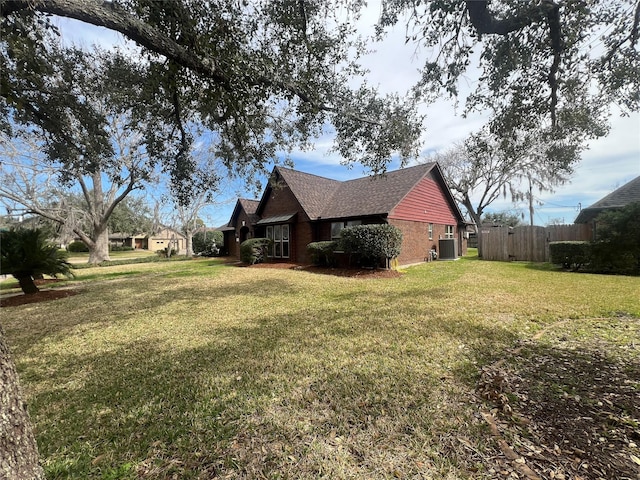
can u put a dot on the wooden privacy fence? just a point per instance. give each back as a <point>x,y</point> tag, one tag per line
<point>529,244</point>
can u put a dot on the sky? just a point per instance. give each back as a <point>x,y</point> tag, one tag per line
<point>608,163</point>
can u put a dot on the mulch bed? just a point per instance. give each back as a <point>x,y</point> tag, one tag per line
<point>41,296</point>
<point>363,273</point>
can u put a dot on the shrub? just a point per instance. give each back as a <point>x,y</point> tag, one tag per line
<point>28,254</point>
<point>571,255</point>
<point>617,245</point>
<point>321,253</point>
<point>76,247</point>
<point>207,243</point>
<point>372,243</point>
<point>165,253</point>
<point>254,250</point>
<point>119,248</point>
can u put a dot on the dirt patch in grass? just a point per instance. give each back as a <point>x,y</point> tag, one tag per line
<point>338,272</point>
<point>567,409</point>
<point>41,296</point>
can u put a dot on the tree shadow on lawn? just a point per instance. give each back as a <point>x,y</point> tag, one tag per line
<point>568,408</point>
<point>249,399</point>
<point>57,319</point>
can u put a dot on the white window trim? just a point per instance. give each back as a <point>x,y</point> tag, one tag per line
<point>270,234</point>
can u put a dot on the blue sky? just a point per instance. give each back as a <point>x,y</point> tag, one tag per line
<point>607,164</point>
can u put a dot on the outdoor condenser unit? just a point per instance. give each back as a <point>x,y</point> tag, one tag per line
<point>447,249</point>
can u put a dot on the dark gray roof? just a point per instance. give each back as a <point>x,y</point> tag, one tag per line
<point>312,191</point>
<point>276,219</point>
<point>325,198</point>
<point>626,194</point>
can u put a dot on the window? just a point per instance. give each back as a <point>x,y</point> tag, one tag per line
<point>280,236</point>
<point>448,231</point>
<point>431,231</point>
<point>336,227</point>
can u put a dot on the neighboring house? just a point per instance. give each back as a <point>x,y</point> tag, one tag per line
<point>619,198</point>
<point>119,239</point>
<point>298,208</point>
<point>158,241</point>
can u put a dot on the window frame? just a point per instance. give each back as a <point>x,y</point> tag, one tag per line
<point>449,231</point>
<point>279,247</point>
<point>342,224</point>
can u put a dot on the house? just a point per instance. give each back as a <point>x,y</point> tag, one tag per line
<point>298,208</point>
<point>158,241</point>
<point>619,198</point>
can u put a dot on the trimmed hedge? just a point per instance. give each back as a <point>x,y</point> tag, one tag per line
<point>254,250</point>
<point>372,243</point>
<point>617,246</point>
<point>321,253</point>
<point>570,254</point>
<point>76,247</point>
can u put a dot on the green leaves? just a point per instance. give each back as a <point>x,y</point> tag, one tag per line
<point>27,253</point>
<point>372,242</point>
<point>542,66</point>
<point>261,79</point>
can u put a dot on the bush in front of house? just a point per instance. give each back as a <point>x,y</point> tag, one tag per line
<point>617,245</point>
<point>76,247</point>
<point>321,253</point>
<point>570,254</point>
<point>372,243</point>
<point>121,248</point>
<point>254,250</point>
<point>166,252</point>
<point>207,243</point>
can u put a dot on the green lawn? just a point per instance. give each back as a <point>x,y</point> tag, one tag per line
<point>83,257</point>
<point>201,370</point>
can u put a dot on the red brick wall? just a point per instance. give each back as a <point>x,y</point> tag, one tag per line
<point>415,239</point>
<point>242,232</point>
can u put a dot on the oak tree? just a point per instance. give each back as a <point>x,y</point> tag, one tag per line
<point>550,68</point>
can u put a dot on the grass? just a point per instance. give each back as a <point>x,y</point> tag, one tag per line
<point>201,370</point>
<point>80,258</point>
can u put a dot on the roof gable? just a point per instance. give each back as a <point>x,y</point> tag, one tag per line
<point>248,206</point>
<point>374,195</point>
<point>311,191</point>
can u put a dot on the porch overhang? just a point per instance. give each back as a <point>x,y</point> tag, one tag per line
<point>276,219</point>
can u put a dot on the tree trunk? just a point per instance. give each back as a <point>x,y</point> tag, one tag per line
<point>189,235</point>
<point>18,448</point>
<point>27,284</point>
<point>99,249</point>
<point>477,220</point>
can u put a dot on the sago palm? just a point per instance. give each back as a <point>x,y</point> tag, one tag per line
<point>27,253</point>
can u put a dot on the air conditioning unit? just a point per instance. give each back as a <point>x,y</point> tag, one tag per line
<point>447,249</point>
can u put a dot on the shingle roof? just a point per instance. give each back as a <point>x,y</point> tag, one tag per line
<point>626,194</point>
<point>312,191</point>
<point>374,195</point>
<point>322,197</point>
<point>249,206</point>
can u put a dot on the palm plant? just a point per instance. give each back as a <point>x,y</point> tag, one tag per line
<point>27,254</point>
